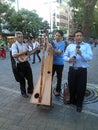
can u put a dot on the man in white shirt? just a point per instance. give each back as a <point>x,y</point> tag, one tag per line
<point>78,55</point>
<point>34,45</point>
<point>19,52</point>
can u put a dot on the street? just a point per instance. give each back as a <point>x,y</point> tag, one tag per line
<point>16,113</point>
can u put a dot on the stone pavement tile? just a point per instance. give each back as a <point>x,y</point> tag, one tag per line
<point>22,114</point>
<point>4,128</point>
<point>91,123</point>
<point>14,127</point>
<point>17,113</point>
<point>2,121</point>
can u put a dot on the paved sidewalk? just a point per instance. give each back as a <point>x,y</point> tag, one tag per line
<point>17,113</point>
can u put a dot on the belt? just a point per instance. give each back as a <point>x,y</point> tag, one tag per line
<point>22,62</point>
<point>77,68</point>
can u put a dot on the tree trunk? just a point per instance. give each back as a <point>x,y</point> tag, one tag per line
<point>88,17</point>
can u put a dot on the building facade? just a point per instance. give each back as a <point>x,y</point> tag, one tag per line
<point>61,16</point>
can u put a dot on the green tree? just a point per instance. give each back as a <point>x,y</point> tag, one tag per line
<point>95,22</point>
<point>83,14</point>
<point>5,9</point>
<point>2,10</point>
<point>88,18</point>
<point>26,21</point>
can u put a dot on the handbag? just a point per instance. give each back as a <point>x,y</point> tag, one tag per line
<point>66,94</point>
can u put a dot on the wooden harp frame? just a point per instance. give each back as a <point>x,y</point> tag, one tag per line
<point>42,94</point>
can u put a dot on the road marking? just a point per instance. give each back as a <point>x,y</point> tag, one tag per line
<point>90,113</point>
<point>10,90</point>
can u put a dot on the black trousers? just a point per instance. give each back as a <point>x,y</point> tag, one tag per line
<point>26,74</point>
<point>36,53</point>
<point>58,69</point>
<point>77,80</point>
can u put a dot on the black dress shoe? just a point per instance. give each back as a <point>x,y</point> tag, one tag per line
<point>67,102</point>
<point>33,62</point>
<point>73,102</point>
<point>30,92</point>
<point>79,109</point>
<point>25,95</point>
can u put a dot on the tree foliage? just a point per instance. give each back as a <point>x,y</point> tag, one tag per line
<point>95,22</point>
<point>83,14</point>
<point>6,10</point>
<point>24,20</point>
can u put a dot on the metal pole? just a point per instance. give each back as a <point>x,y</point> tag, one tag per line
<point>17,5</point>
<point>50,15</point>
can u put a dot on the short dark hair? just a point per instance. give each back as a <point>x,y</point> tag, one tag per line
<point>77,31</point>
<point>60,32</point>
<point>32,38</point>
<point>18,33</point>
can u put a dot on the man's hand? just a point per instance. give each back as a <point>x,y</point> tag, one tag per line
<point>25,52</point>
<point>72,59</point>
<point>78,52</point>
<point>49,48</point>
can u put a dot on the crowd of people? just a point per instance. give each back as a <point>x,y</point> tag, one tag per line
<point>2,48</point>
<point>75,52</point>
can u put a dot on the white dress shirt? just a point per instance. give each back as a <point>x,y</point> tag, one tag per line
<point>35,44</point>
<point>81,60</point>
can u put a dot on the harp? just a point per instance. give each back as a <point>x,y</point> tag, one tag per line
<point>42,94</point>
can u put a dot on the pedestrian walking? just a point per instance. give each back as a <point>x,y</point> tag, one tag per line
<point>34,45</point>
